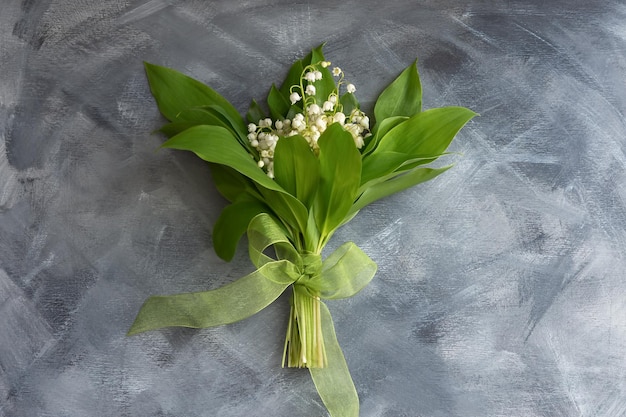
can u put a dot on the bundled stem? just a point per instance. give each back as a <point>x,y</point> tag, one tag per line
<point>304,343</point>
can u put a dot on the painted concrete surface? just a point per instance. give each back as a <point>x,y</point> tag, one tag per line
<point>500,289</point>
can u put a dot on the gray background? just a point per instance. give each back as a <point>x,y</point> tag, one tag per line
<point>500,289</point>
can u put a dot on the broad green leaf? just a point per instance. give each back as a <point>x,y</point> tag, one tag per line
<point>381,164</point>
<point>195,116</point>
<point>380,129</point>
<point>349,103</point>
<point>403,97</point>
<point>426,134</point>
<point>175,92</point>
<point>296,168</point>
<point>173,129</point>
<point>219,145</point>
<point>311,234</point>
<point>293,78</point>
<point>326,85</point>
<point>234,124</point>
<point>340,172</point>
<point>278,105</point>
<point>232,224</point>
<point>317,54</point>
<point>287,208</point>
<point>232,184</point>
<point>293,110</point>
<point>394,185</point>
<point>255,113</point>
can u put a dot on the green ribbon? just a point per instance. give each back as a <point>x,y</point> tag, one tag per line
<point>342,274</point>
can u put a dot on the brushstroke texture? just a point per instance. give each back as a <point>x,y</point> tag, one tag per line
<point>500,284</point>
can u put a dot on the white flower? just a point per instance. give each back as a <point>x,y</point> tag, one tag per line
<point>339,118</point>
<point>365,122</point>
<point>321,124</point>
<point>297,124</point>
<point>310,90</point>
<point>251,136</point>
<point>265,122</point>
<point>350,88</point>
<point>325,64</point>
<point>318,75</point>
<point>332,98</point>
<point>310,76</point>
<point>336,71</point>
<point>295,97</point>
<point>358,141</point>
<point>313,109</point>
<point>251,127</point>
<point>328,106</point>
<point>279,124</point>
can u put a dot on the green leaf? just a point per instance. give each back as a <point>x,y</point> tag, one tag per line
<point>175,92</point>
<point>230,183</point>
<point>426,134</point>
<point>396,184</point>
<point>287,208</point>
<point>255,113</point>
<point>232,224</point>
<point>173,129</point>
<point>380,129</point>
<point>234,124</point>
<point>219,145</point>
<point>403,97</point>
<point>194,116</point>
<point>296,168</point>
<point>340,172</point>
<point>293,78</point>
<point>384,163</point>
<point>317,54</point>
<point>349,103</point>
<point>325,86</point>
<point>277,103</point>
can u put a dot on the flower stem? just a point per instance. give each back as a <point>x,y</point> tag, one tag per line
<point>304,343</point>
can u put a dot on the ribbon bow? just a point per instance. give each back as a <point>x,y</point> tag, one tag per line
<point>342,274</point>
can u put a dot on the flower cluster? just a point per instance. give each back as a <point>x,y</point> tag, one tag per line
<point>312,121</point>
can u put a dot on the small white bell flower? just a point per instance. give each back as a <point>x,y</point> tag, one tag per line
<point>294,98</point>
<point>310,76</point>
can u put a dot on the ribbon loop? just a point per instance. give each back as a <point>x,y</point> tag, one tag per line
<point>344,273</point>
<point>228,304</point>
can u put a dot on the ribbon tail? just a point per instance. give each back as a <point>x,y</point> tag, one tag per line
<point>228,304</point>
<point>334,383</point>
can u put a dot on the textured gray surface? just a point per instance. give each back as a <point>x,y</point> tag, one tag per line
<point>500,290</point>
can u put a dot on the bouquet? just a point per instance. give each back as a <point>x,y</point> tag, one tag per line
<point>293,174</point>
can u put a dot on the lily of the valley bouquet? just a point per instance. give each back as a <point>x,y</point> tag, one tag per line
<point>293,176</point>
